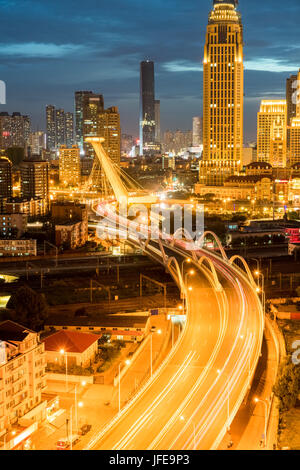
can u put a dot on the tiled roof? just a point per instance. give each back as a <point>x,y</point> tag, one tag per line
<point>70,341</point>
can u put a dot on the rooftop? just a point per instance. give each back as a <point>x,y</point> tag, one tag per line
<point>11,331</point>
<point>70,341</point>
<point>105,321</point>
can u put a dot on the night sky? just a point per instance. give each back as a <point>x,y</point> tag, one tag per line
<point>49,49</point>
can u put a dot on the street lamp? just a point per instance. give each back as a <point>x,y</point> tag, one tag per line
<point>186,260</point>
<point>257,400</point>
<point>64,353</point>
<point>261,288</point>
<point>80,404</point>
<point>191,272</point>
<point>194,430</point>
<point>127,362</point>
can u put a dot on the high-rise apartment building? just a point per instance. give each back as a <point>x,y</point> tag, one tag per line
<point>14,130</point>
<point>69,166</point>
<point>93,107</point>
<point>291,97</point>
<point>51,127</point>
<point>79,110</point>
<point>147,109</point>
<point>37,142</point>
<point>6,189</point>
<point>271,125</point>
<point>157,122</point>
<point>22,381</point>
<point>294,141</point>
<point>223,74</point>
<point>60,128</point>
<point>35,179</point>
<point>197,131</point>
<point>110,130</point>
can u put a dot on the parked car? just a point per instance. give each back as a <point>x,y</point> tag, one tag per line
<point>65,442</point>
<point>85,429</point>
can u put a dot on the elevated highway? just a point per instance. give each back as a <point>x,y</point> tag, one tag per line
<point>195,394</point>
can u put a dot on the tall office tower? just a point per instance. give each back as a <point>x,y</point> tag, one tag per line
<point>69,166</point>
<point>35,179</point>
<point>291,97</point>
<point>294,128</point>
<point>51,127</point>
<point>223,74</point>
<point>69,129</point>
<point>37,142</point>
<point>60,128</point>
<point>79,109</point>
<point>298,96</point>
<point>5,178</point>
<point>197,131</point>
<point>147,109</point>
<point>92,107</point>
<point>157,121</point>
<point>278,147</point>
<point>272,114</point>
<point>110,130</point>
<point>14,130</point>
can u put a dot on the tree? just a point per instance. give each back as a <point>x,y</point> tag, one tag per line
<point>286,387</point>
<point>30,308</point>
<point>15,154</point>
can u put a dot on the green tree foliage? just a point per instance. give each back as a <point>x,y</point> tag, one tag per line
<point>15,154</point>
<point>286,387</point>
<point>30,308</point>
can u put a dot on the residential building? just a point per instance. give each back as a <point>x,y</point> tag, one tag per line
<point>14,130</point>
<point>6,185</point>
<point>294,141</point>
<point>69,166</point>
<point>51,127</point>
<point>37,142</point>
<point>157,121</point>
<point>12,225</point>
<point>35,179</point>
<point>33,207</point>
<point>60,128</point>
<point>110,130</point>
<point>291,97</point>
<point>197,131</point>
<point>71,224</point>
<point>271,131</point>
<point>79,348</point>
<point>223,92</point>
<point>17,247</point>
<point>22,380</point>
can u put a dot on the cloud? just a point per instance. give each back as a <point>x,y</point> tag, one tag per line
<point>182,66</point>
<point>269,65</point>
<point>39,50</point>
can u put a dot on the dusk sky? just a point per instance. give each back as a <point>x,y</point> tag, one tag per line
<point>49,49</point>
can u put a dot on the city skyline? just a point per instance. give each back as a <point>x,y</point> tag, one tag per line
<point>53,68</point>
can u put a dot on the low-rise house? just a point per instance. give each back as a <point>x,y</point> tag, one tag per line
<point>73,347</point>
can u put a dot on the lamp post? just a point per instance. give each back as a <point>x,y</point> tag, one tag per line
<point>257,400</point>
<point>64,353</point>
<point>189,273</point>
<point>261,288</point>
<point>80,404</point>
<point>194,431</point>
<point>127,362</point>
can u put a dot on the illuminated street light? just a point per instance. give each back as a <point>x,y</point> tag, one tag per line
<point>257,400</point>
<point>63,353</point>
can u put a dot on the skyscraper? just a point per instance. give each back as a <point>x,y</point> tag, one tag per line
<point>79,96</point>
<point>110,130</point>
<point>50,127</point>
<point>147,108</point>
<point>223,90</point>
<point>92,106</point>
<point>291,97</point>
<point>197,131</point>
<point>271,126</point>
<point>69,166</point>
<point>294,128</point>
<point>60,128</point>
<point>14,130</point>
<point>157,121</point>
